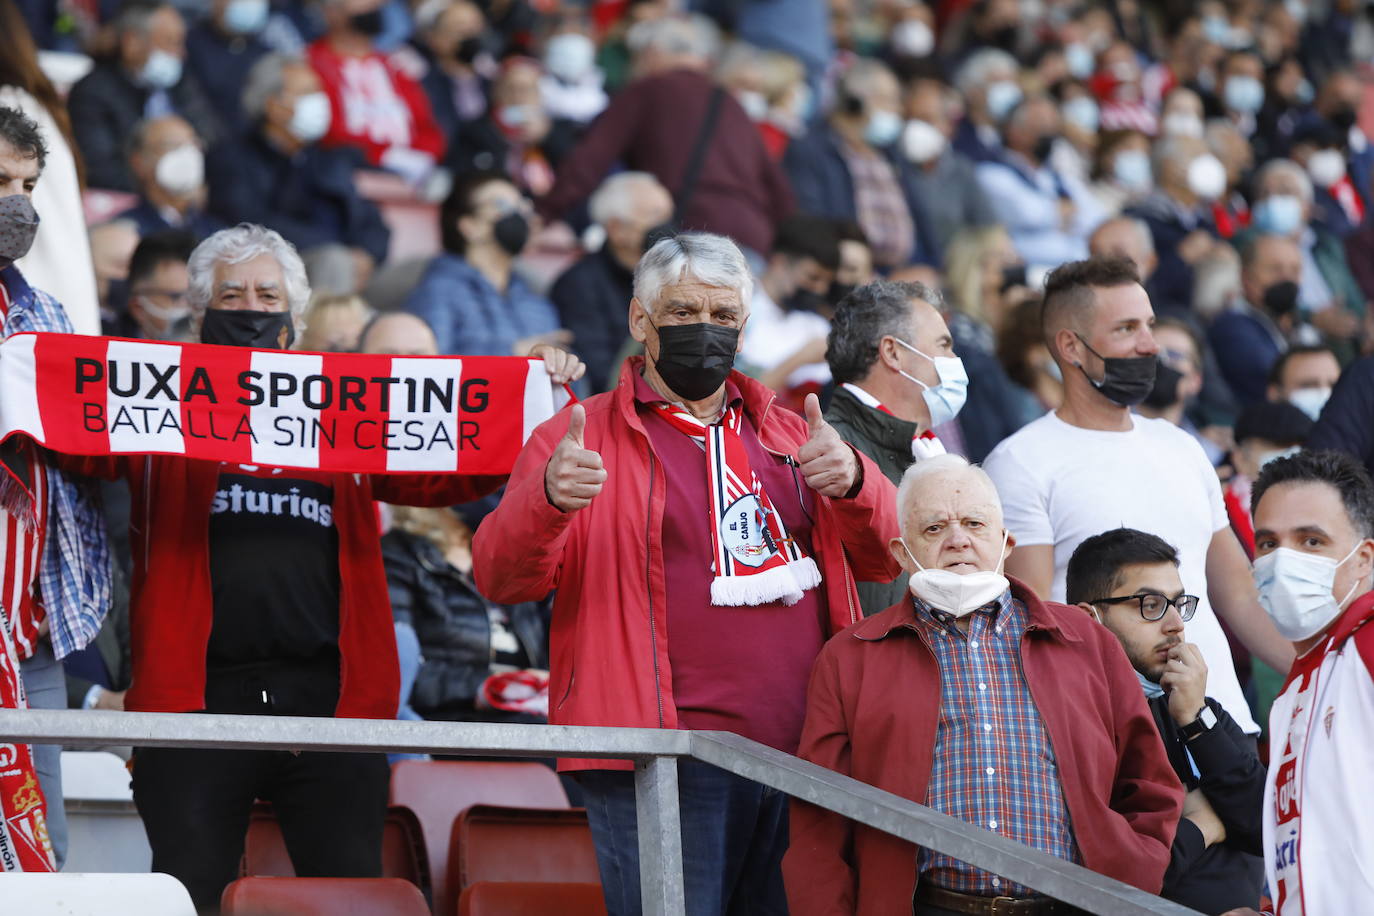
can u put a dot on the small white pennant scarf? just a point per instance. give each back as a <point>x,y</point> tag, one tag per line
<point>756,560</point>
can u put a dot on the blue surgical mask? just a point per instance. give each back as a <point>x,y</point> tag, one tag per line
<point>1295,590</point>
<point>1002,97</point>
<point>246,17</point>
<point>1278,214</point>
<point>1131,168</point>
<point>882,128</point>
<point>1082,113</point>
<point>161,70</point>
<point>945,399</point>
<point>311,117</point>
<point>1244,94</point>
<point>1217,30</point>
<point>1078,57</point>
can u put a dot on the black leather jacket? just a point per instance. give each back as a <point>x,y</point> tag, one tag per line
<point>451,620</point>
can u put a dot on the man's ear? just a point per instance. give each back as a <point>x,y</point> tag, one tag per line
<point>1089,610</point>
<point>1011,539</point>
<point>898,550</point>
<point>887,353</point>
<point>1068,346</point>
<point>638,317</point>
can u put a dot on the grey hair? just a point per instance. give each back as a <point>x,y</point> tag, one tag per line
<point>711,259</point>
<point>137,16</point>
<point>861,75</point>
<point>264,83</point>
<point>867,315</point>
<point>615,198</point>
<point>937,464</point>
<point>1175,148</point>
<point>693,35</point>
<point>1216,282</point>
<point>242,243</point>
<point>1136,225</point>
<point>978,70</point>
<point>1285,167</point>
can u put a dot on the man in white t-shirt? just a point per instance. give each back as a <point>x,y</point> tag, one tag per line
<point>1093,465</point>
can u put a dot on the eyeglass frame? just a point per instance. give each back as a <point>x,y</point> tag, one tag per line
<point>1168,603</point>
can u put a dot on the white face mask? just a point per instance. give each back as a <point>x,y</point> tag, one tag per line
<point>1310,401</point>
<point>913,38</point>
<point>161,70</point>
<point>570,56</point>
<point>175,317</point>
<point>181,171</point>
<point>311,117</point>
<point>1207,177</point>
<point>922,141</point>
<point>755,104</point>
<point>1181,124</point>
<point>1326,166</point>
<point>945,399</point>
<point>955,594</point>
<point>1295,591</point>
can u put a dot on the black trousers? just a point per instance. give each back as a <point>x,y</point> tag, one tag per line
<point>195,802</point>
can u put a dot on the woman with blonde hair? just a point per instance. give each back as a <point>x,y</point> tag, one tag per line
<point>334,324</point>
<point>984,277</point>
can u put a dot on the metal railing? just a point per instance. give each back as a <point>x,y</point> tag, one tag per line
<point>655,753</point>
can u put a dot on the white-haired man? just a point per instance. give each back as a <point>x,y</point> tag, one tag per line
<point>683,603</point>
<point>239,606</point>
<point>633,209</point>
<point>1040,732</point>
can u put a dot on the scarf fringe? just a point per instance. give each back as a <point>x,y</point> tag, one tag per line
<point>806,572</point>
<point>17,499</point>
<point>776,584</point>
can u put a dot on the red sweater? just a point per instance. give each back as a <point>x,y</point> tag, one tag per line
<point>170,603</point>
<point>652,126</point>
<point>375,105</point>
<point>872,712</point>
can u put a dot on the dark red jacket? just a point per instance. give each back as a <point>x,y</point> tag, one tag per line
<point>609,642</point>
<point>651,126</point>
<point>872,711</point>
<point>170,601</point>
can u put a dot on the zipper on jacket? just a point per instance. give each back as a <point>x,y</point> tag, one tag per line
<point>648,572</point>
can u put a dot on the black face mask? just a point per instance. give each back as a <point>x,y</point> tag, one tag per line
<point>839,290</point>
<point>242,328</point>
<point>468,49</point>
<point>1281,298</point>
<point>695,359</point>
<point>511,232</point>
<point>369,23</point>
<point>1165,392</point>
<point>1044,145</point>
<point>1126,381</point>
<point>804,300</point>
<point>1004,37</point>
<point>1013,275</point>
<point>1343,119</point>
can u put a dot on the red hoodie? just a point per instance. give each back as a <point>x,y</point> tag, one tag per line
<point>608,641</point>
<point>170,601</point>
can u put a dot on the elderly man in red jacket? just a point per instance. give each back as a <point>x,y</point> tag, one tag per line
<point>985,703</point>
<point>703,542</point>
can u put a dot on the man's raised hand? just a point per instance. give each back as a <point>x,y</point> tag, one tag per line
<point>574,475</point>
<point>828,465</point>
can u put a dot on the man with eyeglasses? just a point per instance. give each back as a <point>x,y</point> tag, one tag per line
<point>1128,580</point>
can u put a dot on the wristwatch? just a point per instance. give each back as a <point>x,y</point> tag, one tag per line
<point>1205,722</point>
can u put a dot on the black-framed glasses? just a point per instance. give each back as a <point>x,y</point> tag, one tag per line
<point>1154,607</point>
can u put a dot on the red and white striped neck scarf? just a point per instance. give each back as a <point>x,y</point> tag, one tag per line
<point>756,560</point>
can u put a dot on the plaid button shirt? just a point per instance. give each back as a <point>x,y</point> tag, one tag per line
<point>993,766</point>
<point>880,207</point>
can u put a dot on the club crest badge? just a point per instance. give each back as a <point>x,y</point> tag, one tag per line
<point>744,532</point>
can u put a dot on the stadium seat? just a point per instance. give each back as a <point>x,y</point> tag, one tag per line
<point>499,898</point>
<point>527,845</point>
<point>403,847</point>
<point>104,832</point>
<point>438,790</point>
<point>322,897</point>
<point>58,894</point>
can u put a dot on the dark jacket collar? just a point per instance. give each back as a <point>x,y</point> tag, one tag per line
<point>871,423</point>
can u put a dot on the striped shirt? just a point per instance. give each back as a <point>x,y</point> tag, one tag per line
<point>21,545</point>
<point>993,765</point>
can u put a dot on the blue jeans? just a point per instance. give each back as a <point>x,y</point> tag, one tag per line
<point>46,688</point>
<point>408,655</point>
<point>734,833</point>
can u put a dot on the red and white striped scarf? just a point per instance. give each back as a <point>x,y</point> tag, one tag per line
<point>756,560</point>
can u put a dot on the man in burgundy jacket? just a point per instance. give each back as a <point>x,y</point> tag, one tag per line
<point>703,542</point>
<point>653,124</point>
<point>978,699</point>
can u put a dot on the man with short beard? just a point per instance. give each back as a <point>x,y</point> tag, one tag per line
<point>1128,581</point>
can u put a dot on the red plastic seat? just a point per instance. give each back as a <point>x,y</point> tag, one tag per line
<point>403,847</point>
<point>322,897</point>
<point>438,790</point>
<point>526,845</point>
<point>496,898</point>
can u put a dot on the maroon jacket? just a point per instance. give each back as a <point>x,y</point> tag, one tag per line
<point>872,711</point>
<point>652,126</point>
<point>170,602</point>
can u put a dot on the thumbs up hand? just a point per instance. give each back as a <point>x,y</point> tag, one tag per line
<point>574,475</point>
<point>828,465</point>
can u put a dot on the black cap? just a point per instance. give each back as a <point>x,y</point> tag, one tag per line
<point>1278,421</point>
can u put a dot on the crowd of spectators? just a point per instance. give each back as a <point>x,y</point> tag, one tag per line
<point>1076,282</point>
